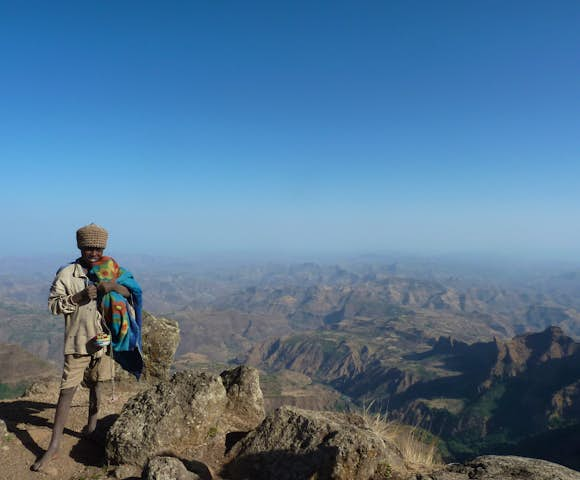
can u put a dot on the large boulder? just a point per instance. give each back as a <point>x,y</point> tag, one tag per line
<point>188,410</point>
<point>186,406</point>
<point>292,443</point>
<point>493,467</point>
<point>160,341</point>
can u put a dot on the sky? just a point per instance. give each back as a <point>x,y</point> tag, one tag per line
<point>192,127</point>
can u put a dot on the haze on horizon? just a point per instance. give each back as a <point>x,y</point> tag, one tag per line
<point>337,127</point>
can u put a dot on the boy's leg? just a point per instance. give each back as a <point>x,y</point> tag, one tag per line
<point>62,408</point>
<point>99,371</point>
<point>94,404</point>
<point>74,366</point>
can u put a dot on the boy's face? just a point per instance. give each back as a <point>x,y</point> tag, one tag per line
<point>91,255</point>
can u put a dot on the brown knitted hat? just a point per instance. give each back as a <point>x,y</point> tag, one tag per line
<point>92,236</point>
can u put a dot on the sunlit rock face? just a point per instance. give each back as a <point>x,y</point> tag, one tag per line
<point>293,443</point>
<point>183,412</point>
<point>161,338</point>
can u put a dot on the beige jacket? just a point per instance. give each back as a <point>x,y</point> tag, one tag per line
<point>82,322</point>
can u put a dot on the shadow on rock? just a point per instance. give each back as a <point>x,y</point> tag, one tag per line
<point>88,453</point>
<point>90,450</point>
<point>198,468</point>
<point>232,438</point>
<point>283,465</point>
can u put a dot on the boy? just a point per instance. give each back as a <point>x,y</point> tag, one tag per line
<point>74,296</point>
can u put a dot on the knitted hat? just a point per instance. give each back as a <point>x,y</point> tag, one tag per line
<point>92,236</point>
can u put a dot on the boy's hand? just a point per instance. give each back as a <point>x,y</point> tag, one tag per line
<point>106,287</point>
<point>93,345</point>
<point>91,292</point>
<point>86,295</point>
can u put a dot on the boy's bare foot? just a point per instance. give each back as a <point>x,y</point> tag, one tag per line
<point>43,461</point>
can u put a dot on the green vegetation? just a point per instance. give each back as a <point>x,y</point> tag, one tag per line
<point>101,473</point>
<point>452,405</point>
<point>342,405</point>
<point>12,391</point>
<point>270,385</point>
<point>556,422</point>
<point>384,471</point>
<point>475,440</point>
<point>424,372</point>
<point>33,329</point>
<point>459,450</point>
<point>467,445</point>
<point>329,347</point>
<point>487,403</point>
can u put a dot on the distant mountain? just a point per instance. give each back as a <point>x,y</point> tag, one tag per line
<point>504,394</point>
<point>227,308</point>
<point>222,322</point>
<point>19,369</point>
<point>482,397</point>
<point>33,328</point>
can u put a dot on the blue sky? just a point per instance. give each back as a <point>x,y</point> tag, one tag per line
<point>187,127</point>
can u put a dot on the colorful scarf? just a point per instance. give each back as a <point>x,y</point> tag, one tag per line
<point>125,327</point>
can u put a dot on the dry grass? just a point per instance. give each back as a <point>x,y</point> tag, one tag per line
<point>418,448</point>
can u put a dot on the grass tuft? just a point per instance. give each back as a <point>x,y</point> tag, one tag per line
<point>418,447</point>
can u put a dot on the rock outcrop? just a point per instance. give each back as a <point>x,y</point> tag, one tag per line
<point>492,467</point>
<point>530,350</point>
<point>184,412</point>
<point>160,341</point>
<point>292,443</point>
<point>245,401</point>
